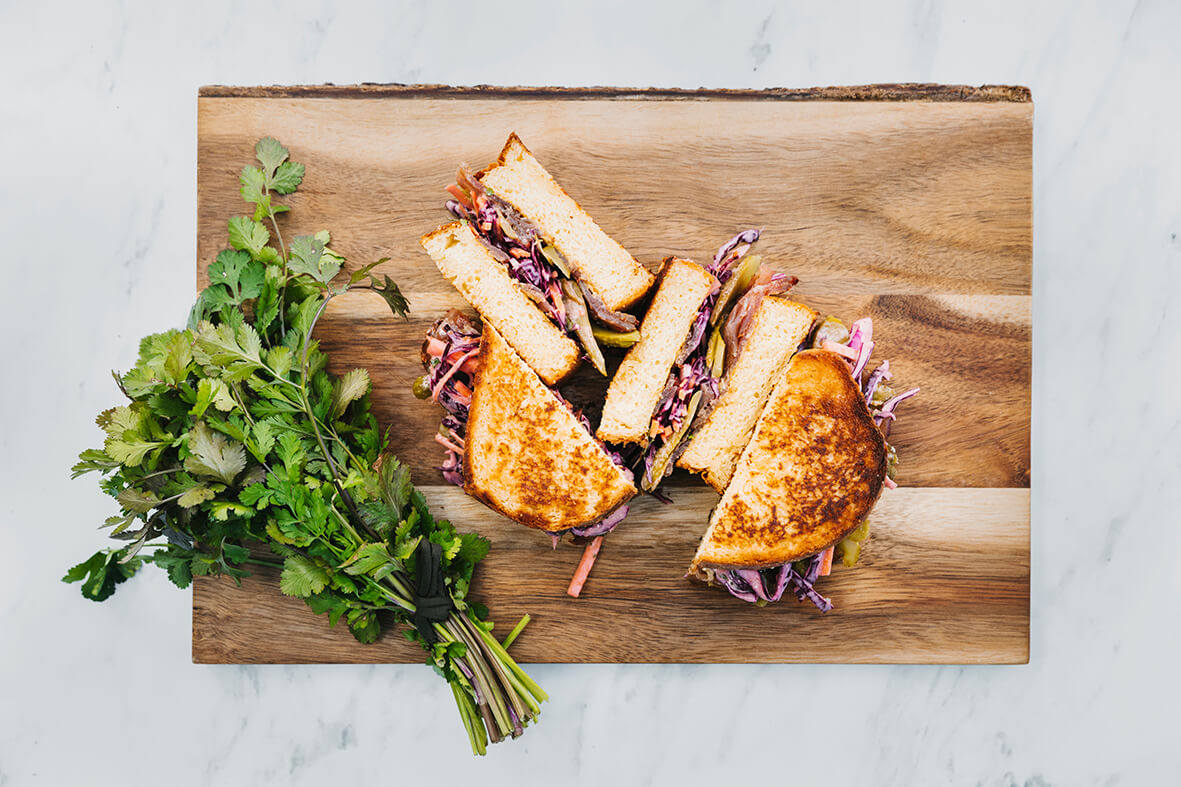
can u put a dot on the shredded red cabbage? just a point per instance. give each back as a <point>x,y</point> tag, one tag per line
<point>768,584</point>
<point>450,378</point>
<point>514,241</point>
<point>730,252</point>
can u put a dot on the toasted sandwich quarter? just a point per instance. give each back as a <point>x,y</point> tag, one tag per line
<point>604,265</point>
<point>776,331</point>
<point>636,388</point>
<point>810,474</point>
<point>464,260</point>
<point>527,455</point>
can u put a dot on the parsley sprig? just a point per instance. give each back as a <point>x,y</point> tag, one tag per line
<point>238,447</point>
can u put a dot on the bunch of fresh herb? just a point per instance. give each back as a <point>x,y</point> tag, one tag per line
<point>236,440</point>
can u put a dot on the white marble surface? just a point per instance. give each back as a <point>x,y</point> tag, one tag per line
<point>98,198</point>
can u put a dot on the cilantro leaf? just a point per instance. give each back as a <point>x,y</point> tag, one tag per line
<point>392,295</point>
<point>101,572</point>
<point>348,388</point>
<point>130,449</point>
<point>302,577</point>
<point>92,459</point>
<point>249,235</point>
<point>287,178</point>
<point>270,154</point>
<point>242,276</point>
<point>308,258</point>
<point>473,548</point>
<point>196,495</point>
<point>213,456</point>
<point>367,558</point>
<point>140,502</point>
<point>365,627</point>
<point>253,185</point>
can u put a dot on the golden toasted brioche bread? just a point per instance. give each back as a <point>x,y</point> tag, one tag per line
<point>636,388</point>
<point>776,331</point>
<point>519,179</point>
<point>487,286</point>
<point>810,474</point>
<point>527,455</point>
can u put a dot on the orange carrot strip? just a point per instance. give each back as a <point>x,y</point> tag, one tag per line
<point>584,567</point>
<point>439,386</point>
<point>826,561</point>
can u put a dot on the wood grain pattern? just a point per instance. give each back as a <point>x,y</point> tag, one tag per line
<point>969,603</point>
<point>916,213</point>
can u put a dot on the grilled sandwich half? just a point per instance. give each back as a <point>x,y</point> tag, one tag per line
<point>528,456</point>
<point>808,477</point>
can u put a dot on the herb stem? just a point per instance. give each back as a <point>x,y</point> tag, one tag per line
<point>307,404</point>
<point>258,561</point>
<point>492,695</point>
<point>505,681</point>
<point>512,635</point>
<point>283,256</point>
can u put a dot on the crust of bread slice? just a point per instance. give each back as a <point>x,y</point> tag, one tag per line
<point>464,260</point>
<point>604,265</point>
<point>777,329</point>
<point>637,385</point>
<point>810,474</point>
<point>527,455</point>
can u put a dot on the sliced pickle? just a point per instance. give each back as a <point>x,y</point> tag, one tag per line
<point>665,454</point>
<point>421,389</point>
<point>849,550</point>
<point>506,227</point>
<point>715,355</point>
<point>882,394</point>
<point>556,259</point>
<point>577,314</point>
<point>735,286</point>
<point>832,330</point>
<point>610,338</point>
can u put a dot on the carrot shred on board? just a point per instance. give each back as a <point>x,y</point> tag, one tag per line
<point>826,561</point>
<point>584,567</point>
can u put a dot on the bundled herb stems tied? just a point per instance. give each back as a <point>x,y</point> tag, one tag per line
<point>237,447</point>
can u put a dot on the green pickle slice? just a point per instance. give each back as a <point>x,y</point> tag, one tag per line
<point>664,455</point>
<point>580,318</point>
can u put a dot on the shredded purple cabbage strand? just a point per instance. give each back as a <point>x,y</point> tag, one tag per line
<point>769,584</point>
<point>861,340</point>
<point>450,386</point>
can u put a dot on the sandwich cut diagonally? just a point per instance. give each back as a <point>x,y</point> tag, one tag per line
<point>528,456</point>
<point>808,477</point>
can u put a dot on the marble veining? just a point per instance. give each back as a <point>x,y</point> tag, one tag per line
<point>99,203</point>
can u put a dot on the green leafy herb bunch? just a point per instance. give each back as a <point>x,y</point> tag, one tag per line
<point>236,446</point>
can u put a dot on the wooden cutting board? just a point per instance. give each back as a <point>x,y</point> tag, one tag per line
<point>907,204</point>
